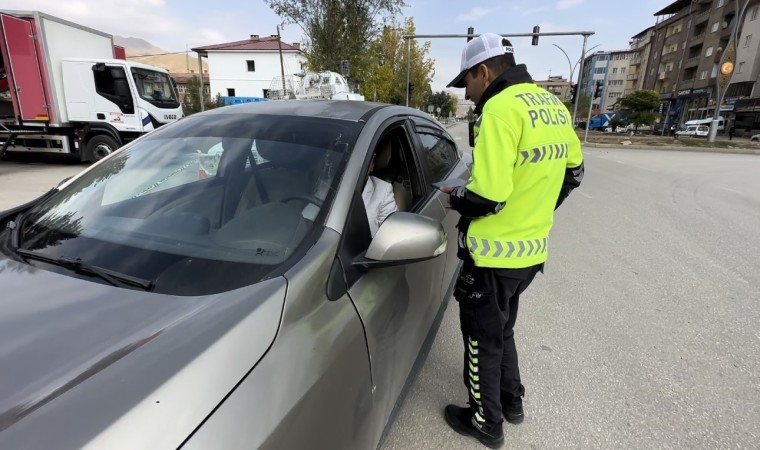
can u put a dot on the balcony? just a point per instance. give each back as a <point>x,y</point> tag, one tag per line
<point>691,62</point>
<point>629,92</point>
<point>697,38</point>
<point>635,62</point>
<point>702,15</point>
<point>633,76</point>
<point>668,56</point>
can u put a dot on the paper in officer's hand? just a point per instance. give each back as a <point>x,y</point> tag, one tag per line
<point>449,185</point>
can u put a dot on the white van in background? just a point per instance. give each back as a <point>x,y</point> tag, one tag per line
<point>707,122</point>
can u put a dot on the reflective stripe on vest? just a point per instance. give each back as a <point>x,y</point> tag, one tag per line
<point>544,153</point>
<point>508,249</point>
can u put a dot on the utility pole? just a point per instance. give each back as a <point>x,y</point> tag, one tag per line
<point>580,74</point>
<point>200,74</point>
<point>282,64</point>
<point>590,105</point>
<point>572,72</point>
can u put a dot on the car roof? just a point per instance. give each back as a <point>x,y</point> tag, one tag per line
<point>331,109</point>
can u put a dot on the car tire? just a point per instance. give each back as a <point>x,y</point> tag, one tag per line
<point>754,139</point>
<point>100,146</point>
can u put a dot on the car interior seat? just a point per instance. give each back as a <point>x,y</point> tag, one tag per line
<point>288,173</point>
<point>386,168</point>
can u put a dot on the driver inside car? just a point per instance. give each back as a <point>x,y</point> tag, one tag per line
<point>378,194</point>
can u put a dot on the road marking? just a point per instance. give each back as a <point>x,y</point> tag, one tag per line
<point>584,194</point>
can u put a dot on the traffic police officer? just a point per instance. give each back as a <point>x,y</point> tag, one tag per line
<point>526,160</point>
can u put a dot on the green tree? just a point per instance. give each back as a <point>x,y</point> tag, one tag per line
<point>615,122</point>
<point>337,30</point>
<point>191,102</point>
<point>385,73</point>
<point>443,100</point>
<point>641,105</point>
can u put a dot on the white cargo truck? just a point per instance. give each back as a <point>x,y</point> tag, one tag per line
<point>63,91</point>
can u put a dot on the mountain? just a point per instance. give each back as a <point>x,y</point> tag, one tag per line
<point>136,48</point>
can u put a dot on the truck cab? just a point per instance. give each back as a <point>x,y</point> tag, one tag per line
<point>130,97</point>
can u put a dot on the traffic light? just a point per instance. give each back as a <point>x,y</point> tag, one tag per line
<point>410,89</point>
<point>470,31</point>
<point>598,90</point>
<point>573,92</point>
<point>536,29</point>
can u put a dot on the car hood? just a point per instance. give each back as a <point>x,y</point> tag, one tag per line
<point>86,364</point>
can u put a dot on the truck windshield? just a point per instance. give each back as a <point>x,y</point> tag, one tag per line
<point>155,87</point>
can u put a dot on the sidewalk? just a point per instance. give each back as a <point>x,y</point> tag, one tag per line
<point>740,151</point>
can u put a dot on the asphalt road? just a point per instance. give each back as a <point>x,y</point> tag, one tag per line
<point>25,177</point>
<point>644,331</point>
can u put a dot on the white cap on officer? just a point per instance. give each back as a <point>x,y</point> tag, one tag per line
<point>479,49</point>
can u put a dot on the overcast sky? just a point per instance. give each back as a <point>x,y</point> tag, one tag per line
<point>174,24</point>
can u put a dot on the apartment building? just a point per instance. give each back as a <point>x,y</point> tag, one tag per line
<point>613,70</point>
<point>642,45</point>
<point>558,86</point>
<point>688,41</point>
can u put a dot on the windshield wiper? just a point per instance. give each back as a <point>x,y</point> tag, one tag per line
<point>79,266</point>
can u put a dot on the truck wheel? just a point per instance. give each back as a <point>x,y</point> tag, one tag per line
<point>100,146</point>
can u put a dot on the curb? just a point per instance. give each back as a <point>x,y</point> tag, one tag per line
<point>740,151</point>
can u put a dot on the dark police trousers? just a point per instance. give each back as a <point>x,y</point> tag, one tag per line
<point>488,300</point>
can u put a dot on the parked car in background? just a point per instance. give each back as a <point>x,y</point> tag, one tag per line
<point>694,131</point>
<point>185,292</point>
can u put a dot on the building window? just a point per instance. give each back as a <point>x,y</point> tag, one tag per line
<point>251,66</point>
<point>614,70</point>
<point>715,27</point>
<point>747,41</point>
<point>754,13</point>
<point>740,68</point>
<point>703,75</point>
<point>230,92</point>
<point>709,51</point>
<point>622,70</point>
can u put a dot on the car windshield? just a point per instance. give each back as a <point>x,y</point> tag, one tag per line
<point>209,204</point>
<point>155,87</point>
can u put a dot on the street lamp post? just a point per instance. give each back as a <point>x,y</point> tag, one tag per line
<point>572,72</point>
<point>723,80</point>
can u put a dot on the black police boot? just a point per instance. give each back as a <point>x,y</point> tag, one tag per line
<point>460,419</point>
<point>512,407</point>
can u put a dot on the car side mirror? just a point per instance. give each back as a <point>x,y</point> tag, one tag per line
<point>404,238</point>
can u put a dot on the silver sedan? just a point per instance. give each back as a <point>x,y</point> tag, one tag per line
<point>215,284</point>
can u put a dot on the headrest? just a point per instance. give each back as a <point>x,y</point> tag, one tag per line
<point>286,153</point>
<point>383,154</point>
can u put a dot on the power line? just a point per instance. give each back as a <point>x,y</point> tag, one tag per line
<point>161,54</point>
